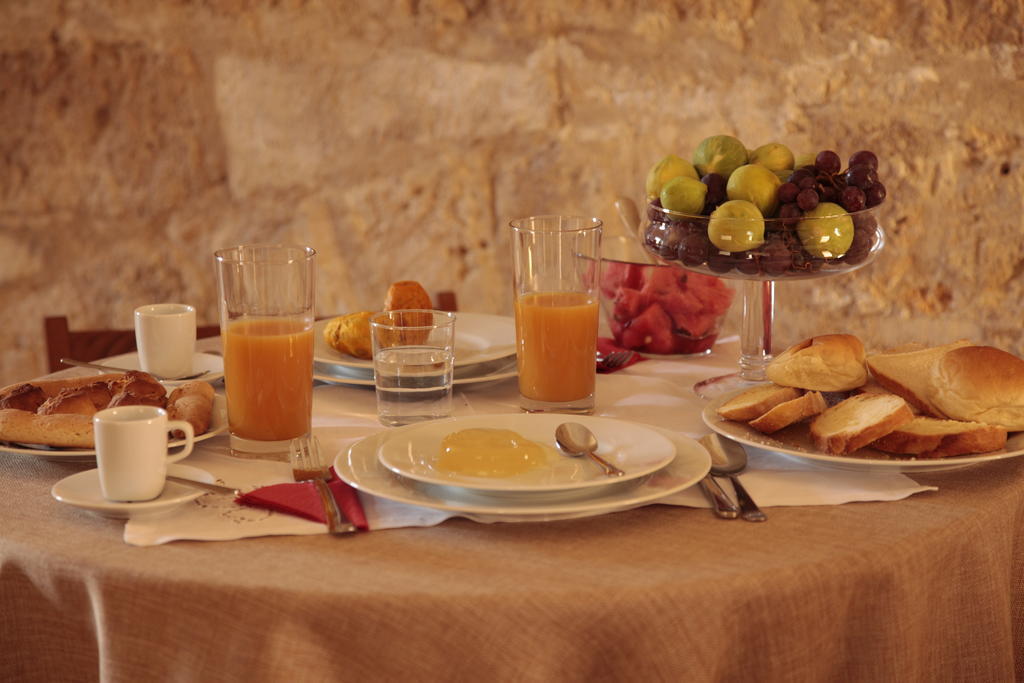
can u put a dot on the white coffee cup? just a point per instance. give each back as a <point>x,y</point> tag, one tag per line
<point>132,451</point>
<point>165,335</point>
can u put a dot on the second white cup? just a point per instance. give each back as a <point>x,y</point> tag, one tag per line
<point>165,335</point>
<point>132,451</point>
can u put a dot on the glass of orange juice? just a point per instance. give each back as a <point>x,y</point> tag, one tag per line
<point>556,269</point>
<point>266,322</point>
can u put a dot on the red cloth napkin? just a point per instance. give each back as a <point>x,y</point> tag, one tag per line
<point>302,500</point>
<point>606,345</point>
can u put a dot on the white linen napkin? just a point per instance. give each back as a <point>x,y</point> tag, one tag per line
<point>344,415</point>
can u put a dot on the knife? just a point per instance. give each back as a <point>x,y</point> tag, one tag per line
<point>215,488</point>
<point>721,503</point>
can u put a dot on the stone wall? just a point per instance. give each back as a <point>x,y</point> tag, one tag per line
<point>398,138</point>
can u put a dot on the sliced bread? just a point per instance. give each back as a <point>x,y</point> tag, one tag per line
<point>790,412</point>
<point>756,401</point>
<point>928,437</point>
<point>857,421</point>
<point>909,374</point>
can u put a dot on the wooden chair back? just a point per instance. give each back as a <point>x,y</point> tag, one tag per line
<point>89,345</point>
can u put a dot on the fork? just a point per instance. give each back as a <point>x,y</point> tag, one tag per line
<point>308,465</point>
<point>615,359</point>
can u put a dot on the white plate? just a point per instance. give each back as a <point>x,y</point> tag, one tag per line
<point>412,451</point>
<point>479,338</point>
<point>472,374</point>
<point>218,424</point>
<point>361,469</point>
<point>82,490</point>
<point>209,363</point>
<point>796,442</point>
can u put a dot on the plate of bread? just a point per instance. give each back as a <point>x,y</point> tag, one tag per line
<point>344,341</point>
<point>913,408</point>
<point>52,418</point>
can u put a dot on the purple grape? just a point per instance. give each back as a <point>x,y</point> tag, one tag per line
<point>852,199</point>
<point>828,162</point>
<point>787,192</point>
<point>693,250</point>
<point>799,174</point>
<point>864,158</point>
<point>861,176</point>
<point>807,199</point>
<point>745,262</point>
<point>807,182</point>
<point>777,258</point>
<point>720,261</point>
<point>828,194</point>
<point>716,189</point>
<point>789,213</point>
<point>875,194</point>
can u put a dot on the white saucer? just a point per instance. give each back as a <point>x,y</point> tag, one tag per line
<point>209,363</point>
<point>82,490</point>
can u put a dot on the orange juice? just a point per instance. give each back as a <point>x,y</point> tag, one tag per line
<point>268,376</point>
<point>556,340</point>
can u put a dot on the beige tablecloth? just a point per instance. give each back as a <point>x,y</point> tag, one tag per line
<point>927,588</point>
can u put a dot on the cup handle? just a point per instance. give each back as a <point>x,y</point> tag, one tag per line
<point>190,438</point>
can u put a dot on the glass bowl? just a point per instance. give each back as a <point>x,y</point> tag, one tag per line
<point>660,308</point>
<point>793,248</point>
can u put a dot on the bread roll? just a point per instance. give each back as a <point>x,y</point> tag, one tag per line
<point>23,396</point>
<point>831,362</point>
<point>62,431</point>
<point>68,402</point>
<point>406,294</point>
<point>193,403</point>
<point>52,387</point>
<point>909,374</point>
<point>980,384</point>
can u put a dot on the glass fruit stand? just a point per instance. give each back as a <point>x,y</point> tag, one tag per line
<point>812,234</point>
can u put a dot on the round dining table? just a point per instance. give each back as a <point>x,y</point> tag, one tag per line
<point>926,588</point>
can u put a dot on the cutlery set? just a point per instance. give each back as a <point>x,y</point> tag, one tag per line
<point>728,459</point>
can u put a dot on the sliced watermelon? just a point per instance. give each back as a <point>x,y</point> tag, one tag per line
<point>618,274</point>
<point>650,331</point>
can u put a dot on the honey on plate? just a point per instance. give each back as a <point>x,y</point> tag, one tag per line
<point>486,452</point>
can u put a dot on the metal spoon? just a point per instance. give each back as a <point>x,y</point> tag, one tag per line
<point>576,440</point>
<point>728,459</point>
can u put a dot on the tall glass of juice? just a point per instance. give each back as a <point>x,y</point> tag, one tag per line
<point>556,268</point>
<point>266,321</point>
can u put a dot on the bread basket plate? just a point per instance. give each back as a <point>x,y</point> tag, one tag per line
<point>796,441</point>
<point>479,338</point>
<point>218,425</point>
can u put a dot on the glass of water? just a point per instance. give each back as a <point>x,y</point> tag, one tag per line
<point>413,360</point>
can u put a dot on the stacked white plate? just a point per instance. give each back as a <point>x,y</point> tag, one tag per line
<point>485,351</point>
<point>402,464</point>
